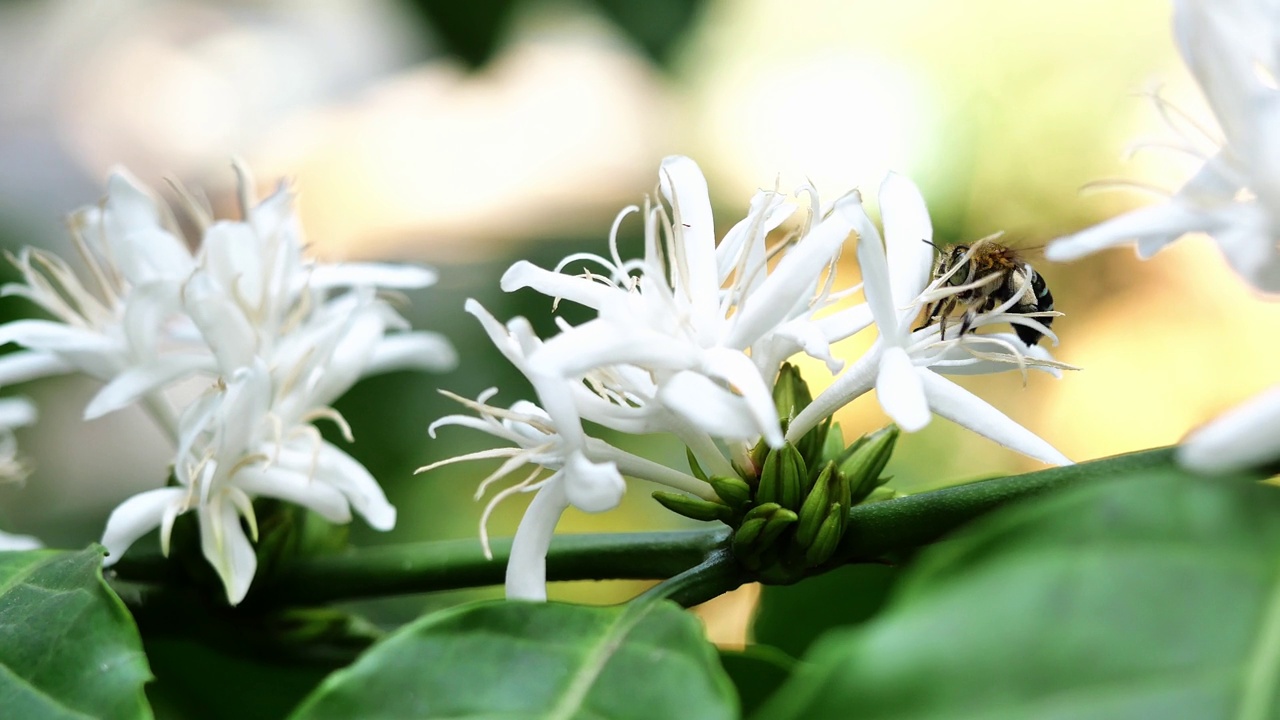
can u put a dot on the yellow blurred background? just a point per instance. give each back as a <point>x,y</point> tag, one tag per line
<point>1000,110</point>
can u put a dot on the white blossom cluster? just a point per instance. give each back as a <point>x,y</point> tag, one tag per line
<point>1232,48</point>
<point>689,338</point>
<point>273,337</point>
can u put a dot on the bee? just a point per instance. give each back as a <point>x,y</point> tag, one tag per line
<point>1007,276</point>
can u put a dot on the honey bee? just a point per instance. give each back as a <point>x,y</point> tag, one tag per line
<point>1007,276</point>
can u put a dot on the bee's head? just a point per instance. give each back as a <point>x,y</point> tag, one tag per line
<point>952,257</point>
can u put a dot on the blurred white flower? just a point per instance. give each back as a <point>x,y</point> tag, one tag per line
<point>14,413</point>
<point>1231,49</point>
<point>904,365</point>
<point>1244,437</point>
<point>278,336</point>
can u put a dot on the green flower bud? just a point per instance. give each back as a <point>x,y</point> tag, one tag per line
<point>864,461</point>
<point>694,467</point>
<point>828,537</point>
<point>734,491</point>
<point>882,493</point>
<point>758,533</point>
<point>784,478</point>
<point>693,508</point>
<point>815,506</point>
<point>781,520</point>
<point>790,393</point>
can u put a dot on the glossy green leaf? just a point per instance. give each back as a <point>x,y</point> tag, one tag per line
<point>68,647</point>
<point>791,617</point>
<point>533,660</point>
<point>1154,596</point>
<point>757,671</point>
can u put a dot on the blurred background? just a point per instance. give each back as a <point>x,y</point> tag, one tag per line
<point>467,135</point>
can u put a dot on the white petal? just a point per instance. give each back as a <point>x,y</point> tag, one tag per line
<point>527,566</point>
<point>907,234</point>
<point>136,382</point>
<point>384,275</point>
<point>354,480</point>
<point>137,516</point>
<point>597,343</point>
<point>741,374</point>
<point>856,380</point>
<point>964,408</point>
<point>592,487</point>
<point>793,280</point>
<point>708,407</point>
<point>295,487</point>
<point>1169,220</point>
<point>20,367</point>
<point>581,290</point>
<point>901,392</point>
<point>421,350</point>
<point>56,337</point>
<point>16,412</point>
<point>768,210</point>
<point>876,285</point>
<point>682,184</point>
<point>18,543</point>
<point>227,548</point>
<point>1244,437</point>
<point>845,323</point>
<point>222,323</point>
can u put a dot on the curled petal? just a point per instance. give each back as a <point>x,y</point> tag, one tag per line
<point>581,290</point>
<point>592,487</point>
<point>137,516</point>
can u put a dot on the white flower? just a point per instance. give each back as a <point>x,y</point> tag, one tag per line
<point>1244,437</point>
<point>535,440</point>
<point>14,413</point>
<point>903,366</point>
<point>701,318</point>
<point>278,336</point>
<point>1230,47</point>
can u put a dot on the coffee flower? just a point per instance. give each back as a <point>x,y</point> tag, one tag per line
<point>277,337</point>
<point>1244,437</point>
<point>1235,195</point>
<point>904,365</point>
<point>14,413</point>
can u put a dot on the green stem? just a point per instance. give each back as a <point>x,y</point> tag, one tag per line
<point>453,564</point>
<point>880,530</point>
<point>698,563</point>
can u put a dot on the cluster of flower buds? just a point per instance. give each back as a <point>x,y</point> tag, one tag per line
<point>790,515</point>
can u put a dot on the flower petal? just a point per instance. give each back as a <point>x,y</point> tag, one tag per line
<point>708,407</point>
<point>901,393</point>
<point>136,382</point>
<point>18,543</point>
<point>876,285</point>
<point>592,487</point>
<point>694,253</point>
<point>581,290</point>
<point>908,232</point>
<point>964,408</point>
<point>394,276</point>
<point>527,565</point>
<point>420,350</point>
<point>227,548</point>
<point>1243,437</point>
<point>1171,220</point>
<point>137,516</point>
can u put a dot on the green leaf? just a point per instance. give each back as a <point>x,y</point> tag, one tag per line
<point>757,672</point>
<point>791,617</point>
<point>526,660</point>
<point>68,647</point>
<point>1155,596</point>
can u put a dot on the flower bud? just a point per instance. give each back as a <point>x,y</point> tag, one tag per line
<point>784,478</point>
<point>693,508</point>
<point>865,459</point>
<point>815,506</point>
<point>790,393</point>
<point>827,538</point>
<point>734,491</point>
